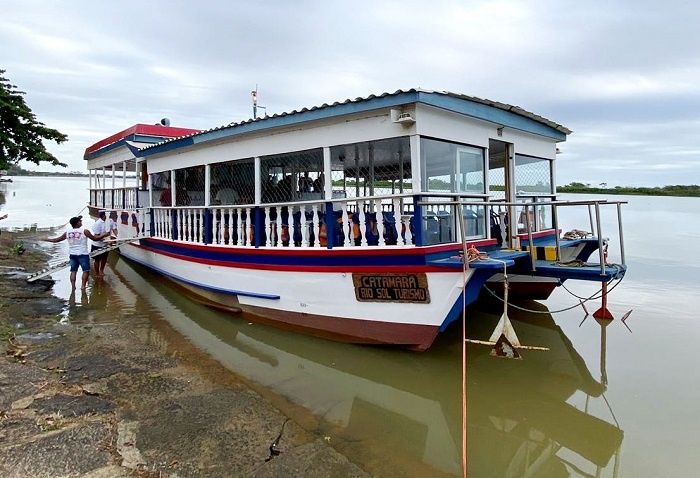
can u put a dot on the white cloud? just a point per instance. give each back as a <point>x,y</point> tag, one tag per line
<point>621,74</point>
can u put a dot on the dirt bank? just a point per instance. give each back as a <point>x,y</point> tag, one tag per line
<point>100,400</point>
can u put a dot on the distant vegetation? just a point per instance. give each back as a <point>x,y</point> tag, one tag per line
<point>692,190</point>
<point>14,170</point>
<point>677,190</point>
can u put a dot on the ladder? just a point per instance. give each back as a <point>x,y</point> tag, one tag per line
<point>114,244</point>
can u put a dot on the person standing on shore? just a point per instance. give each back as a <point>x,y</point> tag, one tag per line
<point>78,248</point>
<point>113,227</point>
<point>100,228</point>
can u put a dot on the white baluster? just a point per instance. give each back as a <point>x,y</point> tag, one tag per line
<point>316,224</point>
<point>200,221</point>
<point>194,235</point>
<point>239,225</point>
<point>245,224</point>
<point>226,227</point>
<point>380,225</point>
<point>157,222</point>
<point>346,226</point>
<point>397,219</point>
<point>363,223</point>
<point>303,227</point>
<point>168,223</point>
<point>187,234</point>
<point>268,228</point>
<point>142,222</point>
<point>409,235</point>
<point>193,225</point>
<point>279,226</point>
<point>216,226</point>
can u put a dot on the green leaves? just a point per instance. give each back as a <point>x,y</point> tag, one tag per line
<point>21,134</point>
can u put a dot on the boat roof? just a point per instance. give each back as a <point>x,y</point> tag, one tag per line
<point>141,133</point>
<point>484,109</point>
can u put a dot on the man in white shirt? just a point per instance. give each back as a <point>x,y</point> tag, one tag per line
<point>226,196</point>
<point>112,225</point>
<point>77,248</point>
<point>100,228</point>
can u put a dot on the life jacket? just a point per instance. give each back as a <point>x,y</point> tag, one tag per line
<point>322,235</point>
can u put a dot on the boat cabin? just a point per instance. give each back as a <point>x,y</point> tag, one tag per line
<point>375,171</point>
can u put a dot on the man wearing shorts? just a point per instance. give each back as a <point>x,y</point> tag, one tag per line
<point>99,229</point>
<point>77,248</point>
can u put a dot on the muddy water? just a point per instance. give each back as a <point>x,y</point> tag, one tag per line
<point>602,401</point>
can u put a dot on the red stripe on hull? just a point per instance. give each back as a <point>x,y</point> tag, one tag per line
<point>414,337</point>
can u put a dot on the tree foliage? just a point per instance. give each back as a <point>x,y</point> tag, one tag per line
<point>692,190</point>
<point>21,134</point>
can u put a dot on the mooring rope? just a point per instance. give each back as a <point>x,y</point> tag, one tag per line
<point>596,295</point>
<point>465,265</point>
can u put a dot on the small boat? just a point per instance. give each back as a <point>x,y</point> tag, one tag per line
<point>372,221</point>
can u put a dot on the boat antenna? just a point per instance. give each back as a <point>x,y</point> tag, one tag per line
<point>254,95</point>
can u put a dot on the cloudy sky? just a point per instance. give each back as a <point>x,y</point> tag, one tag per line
<point>624,75</point>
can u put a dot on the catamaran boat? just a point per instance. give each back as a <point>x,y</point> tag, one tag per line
<point>372,221</point>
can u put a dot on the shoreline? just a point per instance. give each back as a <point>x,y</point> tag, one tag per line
<point>123,398</point>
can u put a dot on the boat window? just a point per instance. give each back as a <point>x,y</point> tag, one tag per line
<point>450,167</point>
<point>372,168</point>
<point>233,182</point>
<point>292,176</point>
<point>499,152</point>
<point>189,186</point>
<point>533,182</point>
<point>159,182</point>
<point>533,175</point>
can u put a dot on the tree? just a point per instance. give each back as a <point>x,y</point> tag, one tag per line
<point>21,134</point>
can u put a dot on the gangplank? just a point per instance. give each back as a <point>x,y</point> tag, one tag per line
<point>62,265</point>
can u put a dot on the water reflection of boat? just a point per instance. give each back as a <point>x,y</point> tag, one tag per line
<point>538,410</point>
<point>398,413</point>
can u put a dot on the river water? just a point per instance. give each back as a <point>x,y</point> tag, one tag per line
<point>611,400</point>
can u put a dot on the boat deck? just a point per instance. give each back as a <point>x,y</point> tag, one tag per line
<point>496,260</point>
<point>574,270</point>
<point>578,270</point>
<point>551,241</point>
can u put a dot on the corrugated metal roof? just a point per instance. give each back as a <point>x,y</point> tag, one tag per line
<point>495,104</point>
